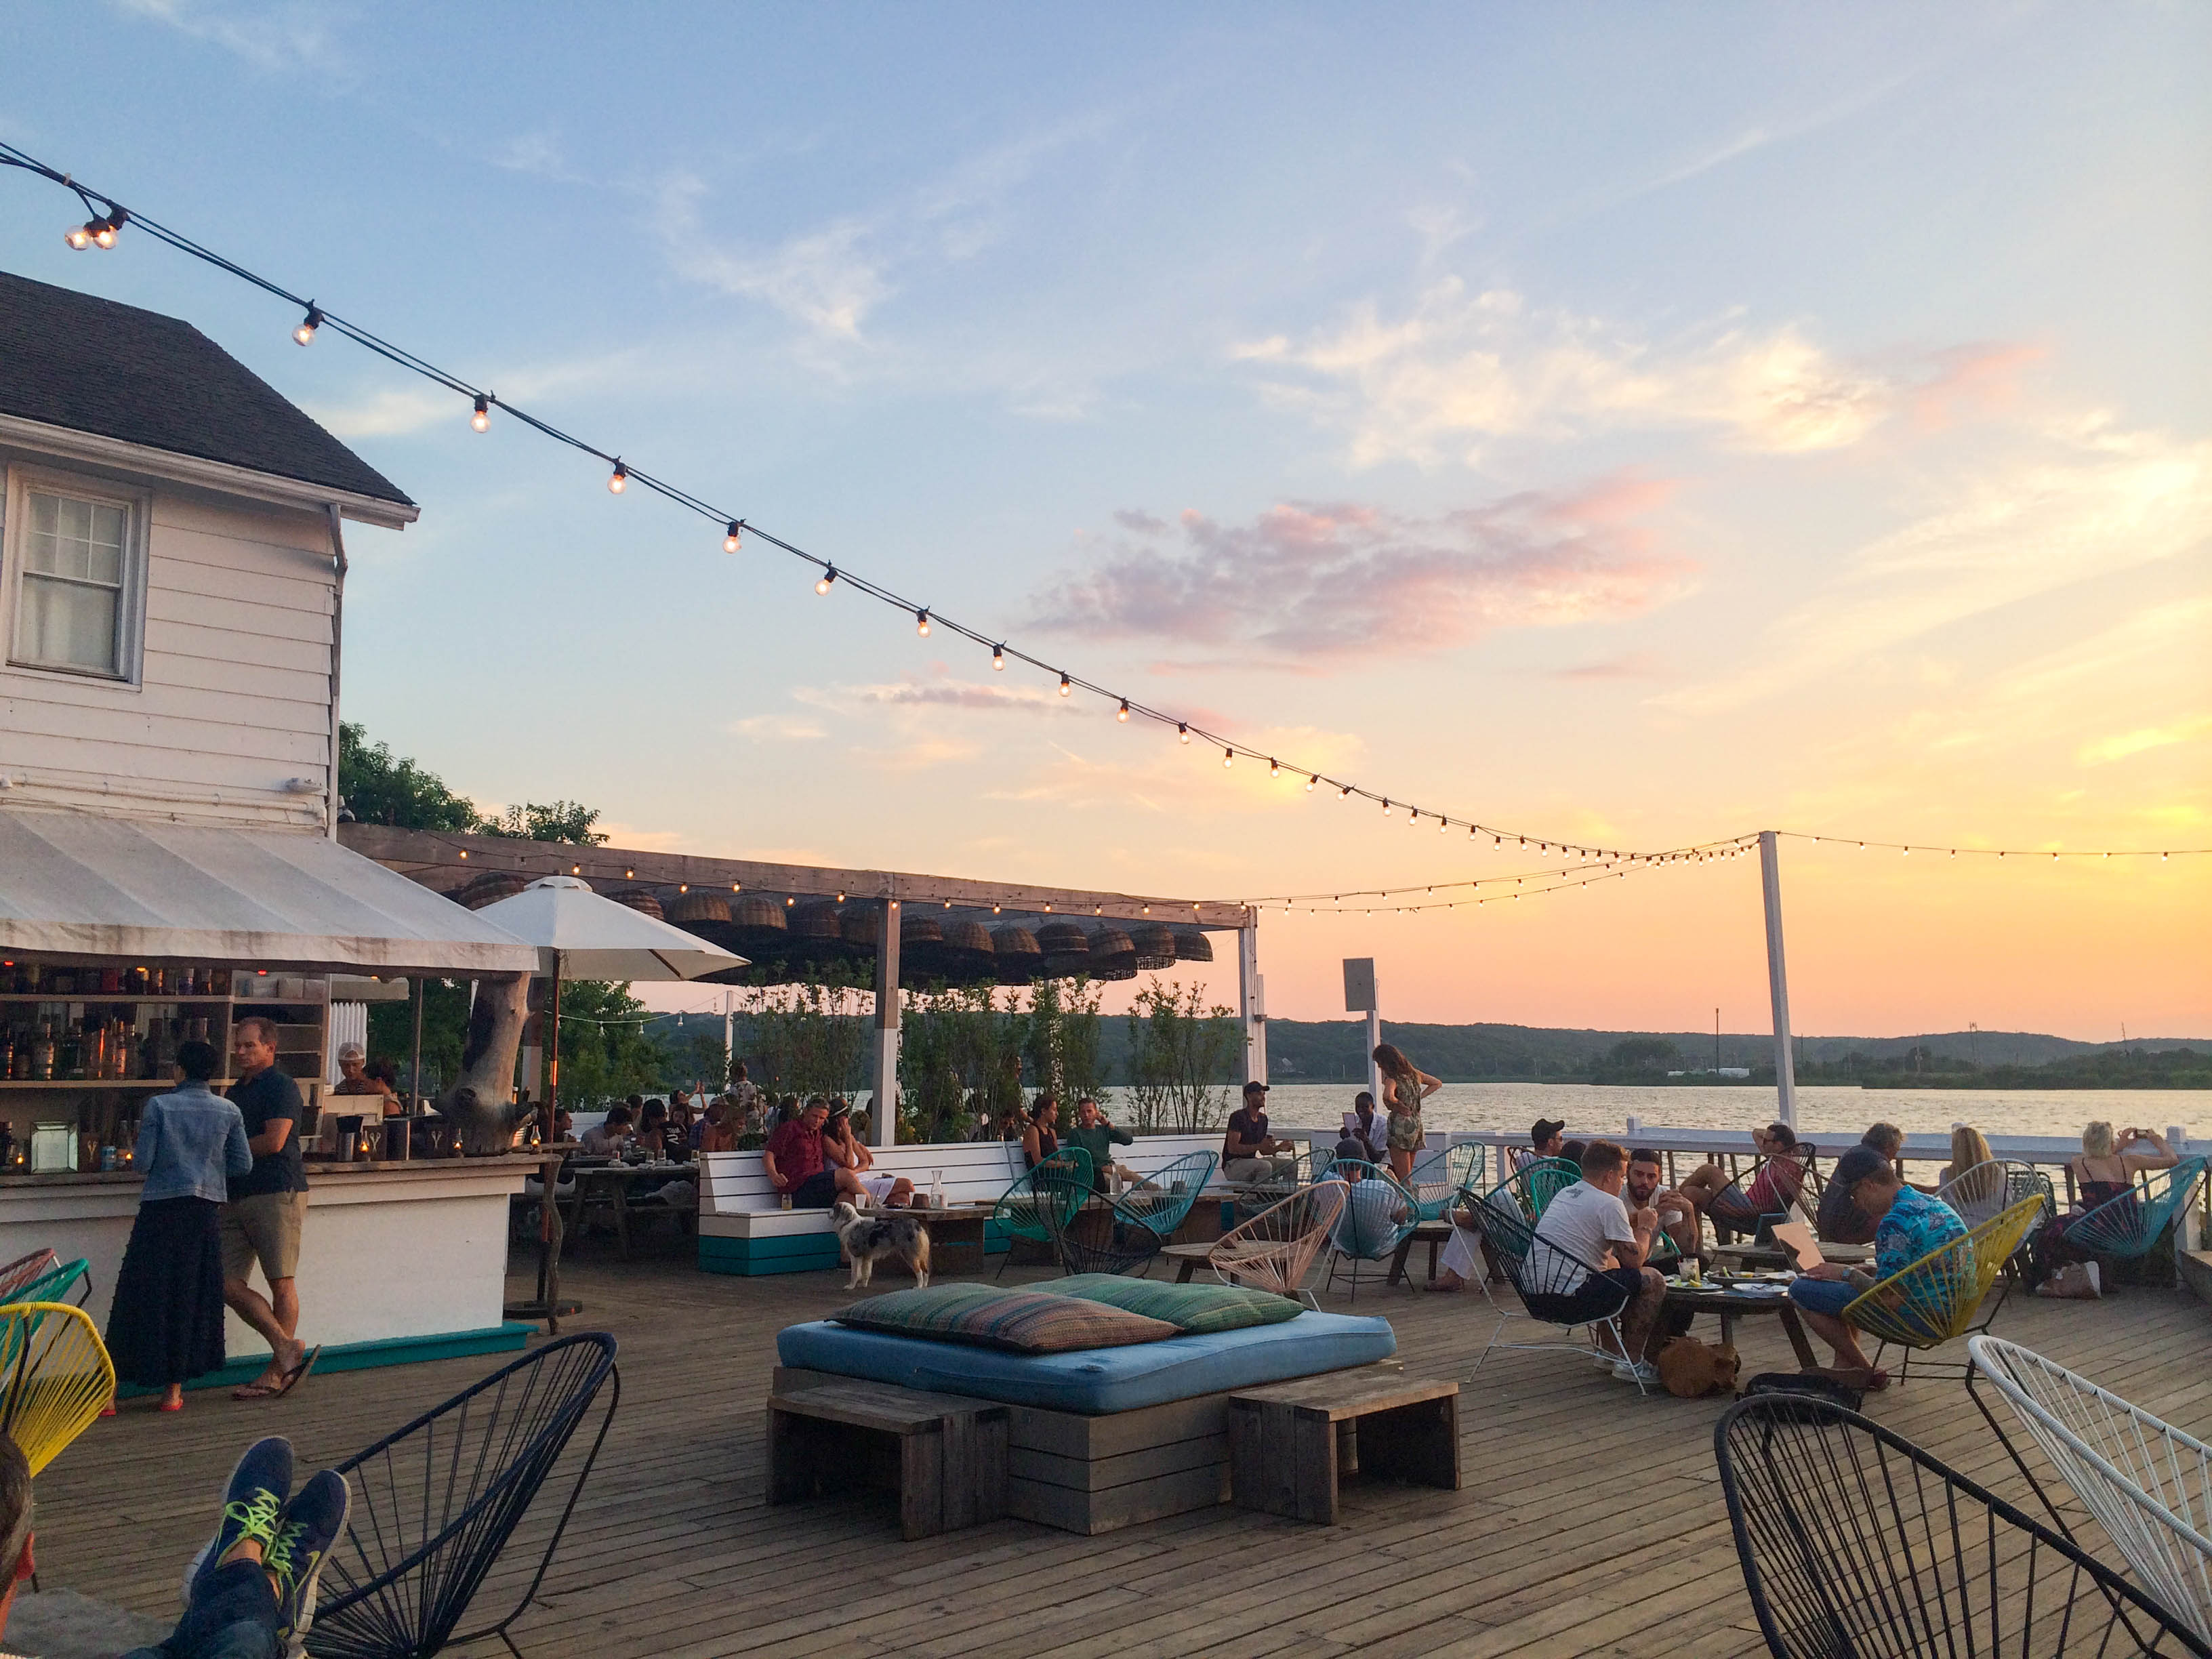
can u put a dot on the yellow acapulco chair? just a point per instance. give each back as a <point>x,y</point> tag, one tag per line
<point>55,1377</point>
<point>1935,1300</point>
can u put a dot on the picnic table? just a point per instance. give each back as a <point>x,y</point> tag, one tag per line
<point>615,1181</point>
<point>1732,1303</point>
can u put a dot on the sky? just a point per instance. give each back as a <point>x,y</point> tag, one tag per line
<point>1624,424</point>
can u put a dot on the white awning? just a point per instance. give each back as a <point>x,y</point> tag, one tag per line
<point>77,885</point>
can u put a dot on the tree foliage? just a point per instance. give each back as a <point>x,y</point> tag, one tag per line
<point>805,1039</point>
<point>378,787</point>
<point>1179,1049</point>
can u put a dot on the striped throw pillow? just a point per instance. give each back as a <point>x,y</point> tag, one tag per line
<point>1020,1322</point>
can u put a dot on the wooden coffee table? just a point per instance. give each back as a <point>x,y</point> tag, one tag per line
<point>955,1235</point>
<point>1732,1305</point>
<point>1291,1442</point>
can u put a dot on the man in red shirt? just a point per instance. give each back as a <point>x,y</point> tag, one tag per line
<point>798,1169</point>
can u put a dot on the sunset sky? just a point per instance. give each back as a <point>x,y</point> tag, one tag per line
<point>1627,424</point>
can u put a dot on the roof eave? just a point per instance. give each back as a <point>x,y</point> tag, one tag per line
<point>92,448</point>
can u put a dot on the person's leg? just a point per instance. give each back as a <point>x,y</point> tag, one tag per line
<point>901,1194</point>
<point>248,1239</point>
<point>1704,1182</point>
<point>848,1185</point>
<point>1820,1303</point>
<point>1640,1321</point>
<point>1459,1263</point>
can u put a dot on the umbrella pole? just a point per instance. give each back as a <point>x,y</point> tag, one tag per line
<point>415,1084</point>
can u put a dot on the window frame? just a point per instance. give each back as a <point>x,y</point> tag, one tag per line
<point>135,505</point>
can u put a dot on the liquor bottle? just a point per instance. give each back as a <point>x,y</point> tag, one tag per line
<point>92,1049</point>
<point>8,1052</point>
<point>44,1056</point>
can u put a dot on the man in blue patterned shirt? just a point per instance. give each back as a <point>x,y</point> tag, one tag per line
<point>1909,1224</point>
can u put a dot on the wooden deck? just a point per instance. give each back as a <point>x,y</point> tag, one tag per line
<point>1591,1521</point>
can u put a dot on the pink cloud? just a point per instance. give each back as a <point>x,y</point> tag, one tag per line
<point>1970,380</point>
<point>1309,582</point>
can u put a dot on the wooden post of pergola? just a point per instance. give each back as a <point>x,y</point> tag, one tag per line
<point>1252,1001</point>
<point>883,1124</point>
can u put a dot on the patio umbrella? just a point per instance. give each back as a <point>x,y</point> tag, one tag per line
<point>581,935</point>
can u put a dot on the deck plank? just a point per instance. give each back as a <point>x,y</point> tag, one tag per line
<point>1576,1491</point>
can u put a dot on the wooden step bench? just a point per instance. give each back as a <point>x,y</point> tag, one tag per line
<point>945,1454</point>
<point>1290,1444</point>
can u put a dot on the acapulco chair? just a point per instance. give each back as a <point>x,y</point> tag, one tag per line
<point>1855,1544</point>
<point>55,1377</point>
<point>1379,1213</point>
<point>435,1503</point>
<point>25,1270</point>
<point>1936,1299</point>
<point>1274,1250</point>
<point>2148,1484</point>
<point>1438,1178</point>
<point>1034,1206</point>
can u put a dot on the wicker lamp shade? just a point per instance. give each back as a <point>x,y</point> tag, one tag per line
<point>816,921</point>
<point>969,954</point>
<point>690,908</point>
<point>1067,949</point>
<point>1155,945</point>
<point>1113,955</point>
<point>489,888</point>
<point>862,927</point>
<point>759,919</point>
<point>643,900</point>
<point>918,929</point>
<point>1021,959</point>
<point>1192,945</point>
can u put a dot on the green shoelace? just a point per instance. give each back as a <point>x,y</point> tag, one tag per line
<point>256,1517</point>
<point>279,1558</point>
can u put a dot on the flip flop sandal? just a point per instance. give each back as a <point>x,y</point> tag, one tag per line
<point>298,1374</point>
<point>257,1391</point>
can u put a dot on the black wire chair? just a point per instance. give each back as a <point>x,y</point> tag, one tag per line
<point>1092,1234</point>
<point>1855,1544</point>
<point>435,1504</point>
<point>1549,1281</point>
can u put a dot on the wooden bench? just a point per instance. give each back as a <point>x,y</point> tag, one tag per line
<point>745,1229</point>
<point>1291,1443</point>
<point>945,1454</point>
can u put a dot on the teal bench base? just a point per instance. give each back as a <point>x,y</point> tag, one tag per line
<point>799,1253</point>
<point>509,1336</point>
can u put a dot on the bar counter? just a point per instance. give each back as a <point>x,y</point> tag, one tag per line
<point>399,1261</point>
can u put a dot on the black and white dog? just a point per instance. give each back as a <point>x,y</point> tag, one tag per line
<point>868,1239</point>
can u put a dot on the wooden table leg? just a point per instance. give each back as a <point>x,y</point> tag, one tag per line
<point>1794,1328</point>
<point>1184,1267</point>
<point>1398,1260</point>
<point>1435,1245</point>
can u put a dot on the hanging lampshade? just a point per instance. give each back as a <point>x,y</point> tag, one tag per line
<point>643,900</point>
<point>969,955</point>
<point>1155,946</point>
<point>1021,960</point>
<point>1067,949</point>
<point>1113,955</point>
<point>699,907</point>
<point>760,920</point>
<point>489,888</point>
<point>1192,945</point>
<point>861,928</point>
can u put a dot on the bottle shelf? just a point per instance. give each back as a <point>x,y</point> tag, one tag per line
<point>90,1083</point>
<point>117,999</point>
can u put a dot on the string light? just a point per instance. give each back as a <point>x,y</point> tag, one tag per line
<point>1309,784</point>
<point>482,419</point>
<point>1123,712</point>
<point>1067,685</point>
<point>733,538</point>
<point>1228,756</point>
<point>998,657</point>
<point>619,480</point>
<point>922,622</point>
<point>1274,770</point>
<point>107,217</point>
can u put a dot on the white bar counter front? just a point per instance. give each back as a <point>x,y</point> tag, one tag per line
<point>398,1262</point>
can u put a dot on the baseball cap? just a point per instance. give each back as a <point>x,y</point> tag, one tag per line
<point>1255,1087</point>
<point>1545,1128</point>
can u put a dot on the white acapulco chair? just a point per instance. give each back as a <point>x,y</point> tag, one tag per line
<point>2148,1484</point>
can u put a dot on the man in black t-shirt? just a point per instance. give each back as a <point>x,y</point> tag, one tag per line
<point>1248,1150</point>
<point>267,1208</point>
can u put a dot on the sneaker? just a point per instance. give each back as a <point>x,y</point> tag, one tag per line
<point>1607,1362</point>
<point>310,1521</point>
<point>1643,1371</point>
<point>252,1500</point>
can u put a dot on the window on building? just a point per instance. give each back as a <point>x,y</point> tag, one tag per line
<point>70,608</point>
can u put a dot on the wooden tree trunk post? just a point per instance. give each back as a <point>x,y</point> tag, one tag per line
<point>883,1128</point>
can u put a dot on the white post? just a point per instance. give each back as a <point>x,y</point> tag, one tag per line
<point>1374,1041</point>
<point>883,1128</point>
<point>1777,978</point>
<point>1252,1000</point>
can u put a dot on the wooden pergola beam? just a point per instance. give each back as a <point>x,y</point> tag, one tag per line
<point>435,858</point>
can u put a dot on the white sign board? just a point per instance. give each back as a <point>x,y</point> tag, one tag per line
<point>1358,985</point>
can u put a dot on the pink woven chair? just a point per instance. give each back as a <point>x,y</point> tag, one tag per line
<point>1276,1248</point>
<point>25,1270</point>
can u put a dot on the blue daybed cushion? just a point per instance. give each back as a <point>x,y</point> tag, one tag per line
<point>1095,1380</point>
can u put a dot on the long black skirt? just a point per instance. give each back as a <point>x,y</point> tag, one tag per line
<point>166,1325</point>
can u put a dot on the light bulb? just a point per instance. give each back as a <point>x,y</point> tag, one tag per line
<point>1123,712</point>
<point>1443,824</point>
<point>1229,758</point>
<point>103,233</point>
<point>305,334</point>
<point>619,480</point>
<point>998,657</point>
<point>829,575</point>
<point>922,622</point>
<point>1386,806</point>
<point>1065,686</point>
<point>482,419</point>
<point>1182,729</point>
<point>1345,793</point>
<point>1309,784</point>
<point>79,237</point>
<point>1274,770</point>
<point>734,539</point>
